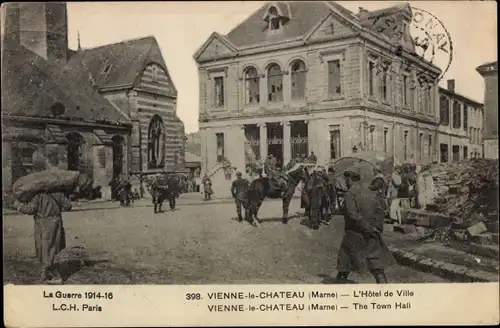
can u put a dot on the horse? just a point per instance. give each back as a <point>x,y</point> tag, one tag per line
<point>261,189</point>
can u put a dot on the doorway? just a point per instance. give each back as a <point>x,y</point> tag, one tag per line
<point>118,143</point>
<point>275,142</point>
<point>75,151</point>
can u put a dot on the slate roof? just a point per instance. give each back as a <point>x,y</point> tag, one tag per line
<point>488,65</point>
<point>126,59</point>
<point>31,85</point>
<point>304,16</point>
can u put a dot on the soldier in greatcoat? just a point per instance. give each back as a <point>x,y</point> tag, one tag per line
<point>362,247</point>
<point>239,189</point>
<point>316,192</point>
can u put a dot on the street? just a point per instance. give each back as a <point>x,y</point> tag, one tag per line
<point>198,243</point>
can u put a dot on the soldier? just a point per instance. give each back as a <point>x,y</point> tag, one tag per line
<point>331,189</point>
<point>207,187</point>
<point>316,189</point>
<point>239,188</point>
<point>312,158</point>
<point>362,246</point>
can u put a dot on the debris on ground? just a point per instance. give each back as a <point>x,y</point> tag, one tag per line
<point>467,192</point>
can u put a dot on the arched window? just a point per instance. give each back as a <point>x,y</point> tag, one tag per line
<point>252,93</point>
<point>298,69</point>
<point>274,83</point>
<point>156,143</point>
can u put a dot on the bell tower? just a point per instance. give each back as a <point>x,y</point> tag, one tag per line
<point>40,27</point>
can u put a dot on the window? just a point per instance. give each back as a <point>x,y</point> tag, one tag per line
<point>334,81</point>
<point>155,74</point>
<point>371,77</point>
<point>22,161</point>
<point>443,150</point>
<point>274,83</point>
<point>429,147</point>
<point>405,90</point>
<point>335,142</point>
<point>405,145</point>
<point>471,135</point>
<point>220,147</point>
<point>466,152</point>
<point>420,146</point>
<point>427,100</point>
<point>457,115</point>
<point>252,88</point>
<point>384,87</point>
<point>298,77</point>
<point>386,133</point>
<point>455,153</point>
<point>274,19</point>
<point>466,117</point>
<point>444,110</point>
<point>219,91</point>
<point>371,141</point>
<point>156,142</point>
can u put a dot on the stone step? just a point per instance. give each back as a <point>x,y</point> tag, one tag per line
<point>487,238</point>
<point>424,218</point>
<point>490,251</point>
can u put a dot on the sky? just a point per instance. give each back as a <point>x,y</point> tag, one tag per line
<point>182,27</point>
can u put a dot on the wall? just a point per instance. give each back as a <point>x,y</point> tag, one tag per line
<point>491,106</point>
<point>97,159</point>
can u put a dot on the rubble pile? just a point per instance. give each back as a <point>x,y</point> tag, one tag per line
<point>461,189</point>
<point>468,193</point>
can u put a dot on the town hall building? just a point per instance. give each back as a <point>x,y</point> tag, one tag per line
<point>301,77</point>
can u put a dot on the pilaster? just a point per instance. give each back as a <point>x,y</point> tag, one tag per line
<point>263,141</point>
<point>287,151</point>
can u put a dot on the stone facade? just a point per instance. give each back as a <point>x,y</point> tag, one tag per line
<point>461,126</point>
<point>105,111</point>
<point>361,111</point>
<point>489,72</point>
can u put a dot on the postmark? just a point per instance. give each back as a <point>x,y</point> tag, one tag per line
<point>432,41</point>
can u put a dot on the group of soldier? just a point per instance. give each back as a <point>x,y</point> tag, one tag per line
<point>364,209</point>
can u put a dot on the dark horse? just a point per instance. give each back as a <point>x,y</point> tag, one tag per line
<point>261,189</point>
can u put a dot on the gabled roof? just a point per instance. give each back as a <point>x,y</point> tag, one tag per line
<point>223,39</point>
<point>31,85</point>
<point>304,16</point>
<point>119,64</point>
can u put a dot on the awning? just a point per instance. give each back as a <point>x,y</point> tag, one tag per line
<point>55,134</point>
<point>103,137</point>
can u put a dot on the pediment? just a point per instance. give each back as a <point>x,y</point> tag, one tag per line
<point>331,26</point>
<point>215,47</point>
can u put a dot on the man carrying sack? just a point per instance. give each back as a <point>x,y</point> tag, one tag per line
<point>362,247</point>
<point>46,205</point>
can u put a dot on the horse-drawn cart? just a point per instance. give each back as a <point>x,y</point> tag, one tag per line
<point>367,163</point>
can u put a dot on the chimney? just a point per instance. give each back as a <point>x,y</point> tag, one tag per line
<point>451,85</point>
<point>363,14</point>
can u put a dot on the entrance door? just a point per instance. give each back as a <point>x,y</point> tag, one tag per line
<point>275,142</point>
<point>117,155</point>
